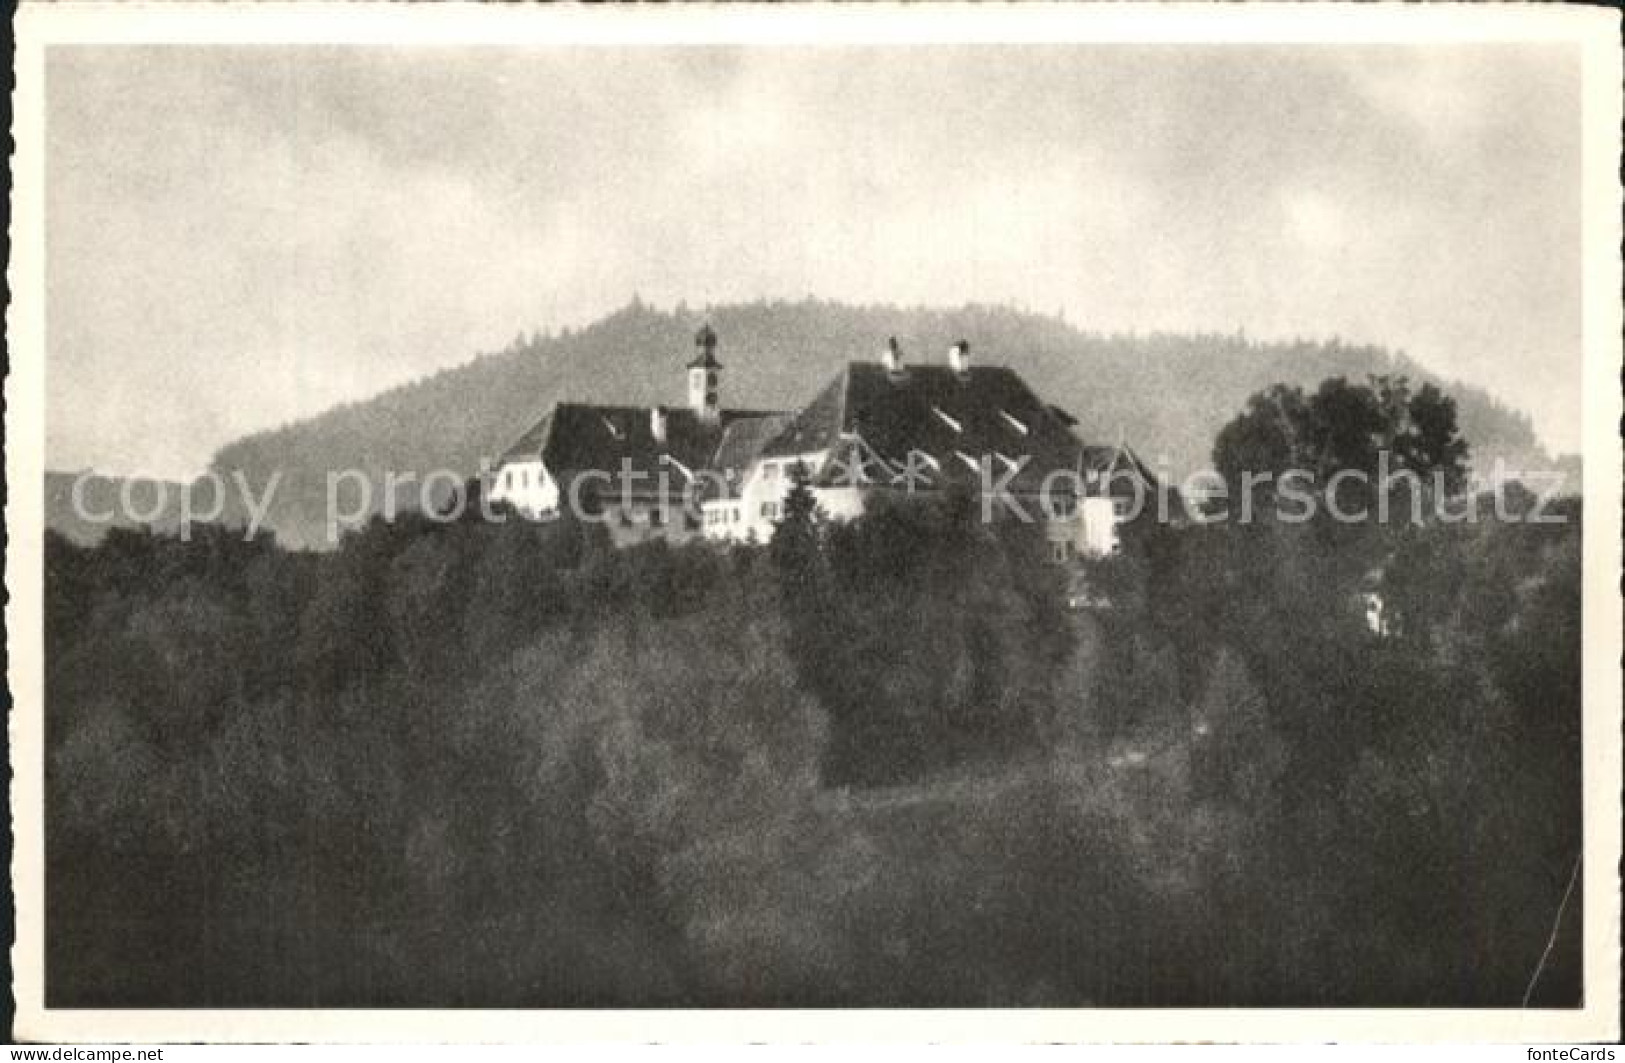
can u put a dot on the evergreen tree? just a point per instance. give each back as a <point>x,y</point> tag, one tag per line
<point>794,546</point>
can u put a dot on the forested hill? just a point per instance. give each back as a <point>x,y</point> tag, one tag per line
<point>108,502</point>
<point>1167,394</point>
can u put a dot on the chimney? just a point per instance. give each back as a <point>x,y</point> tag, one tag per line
<point>959,358</point>
<point>657,423</point>
<point>892,357</point>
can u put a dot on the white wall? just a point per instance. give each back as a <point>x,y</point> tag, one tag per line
<point>1091,531</point>
<point>724,519</point>
<point>761,496</point>
<point>840,503</point>
<point>527,486</point>
<point>1097,529</point>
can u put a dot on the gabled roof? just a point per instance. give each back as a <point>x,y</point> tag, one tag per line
<point>1114,469</point>
<point>926,427</point>
<point>953,419</point>
<point>579,437</point>
<point>742,441</point>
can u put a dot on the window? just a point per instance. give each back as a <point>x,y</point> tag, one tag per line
<point>1013,423</point>
<point>524,478</point>
<point>770,470</point>
<point>1060,551</point>
<point>734,514</point>
<point>657,517</point>
<point>507,479</point>
<point>945,419</point>
<point>770,510</point>
<point>688,474</point>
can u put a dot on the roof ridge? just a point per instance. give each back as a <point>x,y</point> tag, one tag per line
<point>547,434</point>
<point>846,391</point>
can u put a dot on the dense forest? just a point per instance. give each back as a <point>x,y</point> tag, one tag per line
<point>1166,394</point>
<point>124,503</point>
<point>879,762</point>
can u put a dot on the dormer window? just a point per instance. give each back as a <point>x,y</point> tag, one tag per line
<point>688,474</point>
<point>947,420</point>
<point>1013,422</point>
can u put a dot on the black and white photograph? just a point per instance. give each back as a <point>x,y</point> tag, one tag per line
<point>815,511</point>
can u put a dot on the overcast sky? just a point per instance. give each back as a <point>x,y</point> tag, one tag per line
<point>242,236</point>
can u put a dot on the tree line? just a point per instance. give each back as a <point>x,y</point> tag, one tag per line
<point>871,762</point>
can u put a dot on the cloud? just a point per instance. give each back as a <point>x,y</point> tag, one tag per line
<point>242,236</point>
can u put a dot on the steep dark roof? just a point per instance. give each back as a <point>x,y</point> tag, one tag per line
<point>1116,466</point>
<point>578,437</point>
<point>528,447</point>
<point>742,441</point>
<point>932,410</point>
<point>868,418</point>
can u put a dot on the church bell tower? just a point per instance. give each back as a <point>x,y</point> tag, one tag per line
<point>703,373</point>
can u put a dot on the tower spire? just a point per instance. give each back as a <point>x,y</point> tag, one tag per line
<point>704,373</point>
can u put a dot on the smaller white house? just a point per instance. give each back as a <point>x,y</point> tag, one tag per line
<point>522,480</point>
